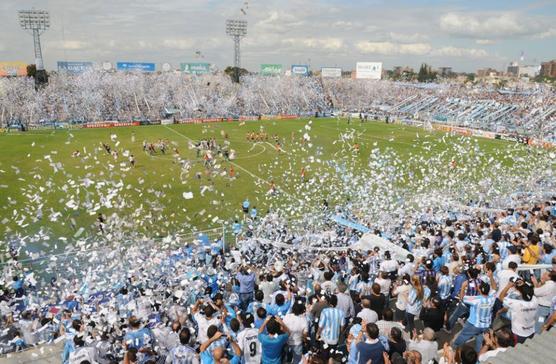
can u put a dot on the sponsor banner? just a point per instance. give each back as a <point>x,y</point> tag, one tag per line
<point>110,124</point>
<point>271,69</point>
<point>368,70</point>
<point>135,66</point>
<point>241,118</point>
<point>300,70</point>
<point>195,68</point>
<point>13,69</point>
<point>249,118</point>
<point>205,120</point>
<point>74,67</point>
<point>514,138</point>
<point>331,72</point>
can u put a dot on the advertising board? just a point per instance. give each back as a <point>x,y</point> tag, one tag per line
<point>196,68</point>
<point>271,69</point>
<point>13,69</point>
<point>331,72</point>
<point>74,67</point>
<point>368,70</point>
<point>300,70</point>
<point>135,66</point>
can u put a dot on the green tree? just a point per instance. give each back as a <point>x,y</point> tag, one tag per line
<point>235,73</point>
<point>31,70</point>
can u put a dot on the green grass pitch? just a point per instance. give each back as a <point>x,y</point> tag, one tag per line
<point>42,186</point>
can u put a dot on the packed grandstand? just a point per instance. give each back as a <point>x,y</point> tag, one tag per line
<point>431,280</point>
<point>528,110</point>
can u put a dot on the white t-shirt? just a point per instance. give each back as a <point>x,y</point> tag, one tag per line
<point>503,279</point>
<point>250,345</point>
<point>297,326</point>
<point>523,315</point>
<point>408,268</point>
<point>81,355</point>
<point>384,285</point>
<point>491,354</point>
<point>403,293</point>
<point>511,258</point>
<point>389,266</point>
<point>268,288</point>
<point>545,293</point>
<point>368,315</point>
<point>203,325</point>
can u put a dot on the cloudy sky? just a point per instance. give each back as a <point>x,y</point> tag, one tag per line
<point>464,34</point>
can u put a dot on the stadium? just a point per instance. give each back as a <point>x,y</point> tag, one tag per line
<point>186,213</point>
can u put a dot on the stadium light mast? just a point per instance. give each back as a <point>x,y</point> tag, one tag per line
<point>37,21</point>
<point>237,29</point>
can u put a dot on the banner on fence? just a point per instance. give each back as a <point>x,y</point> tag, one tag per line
<point>271,69</point>
<point>74,67</point>
<point>368,70</point>
<point>195,68</point>
<point>110,124</point>
<point>135,66</point>
<point>13,69</point>
<point>300,70</point>
<point>331,72</point>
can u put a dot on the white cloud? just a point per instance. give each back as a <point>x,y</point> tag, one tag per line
<point>460,52</point>
<point>390,48</point>
<point>330,44</point>
<point>70,45</point>
<point>550,33</point>
<point>346,25</point>
<point>408,38</point>
<point>502,25</point>
<point>178,43</point>
<point>417,49</point>
<point>485,41</point>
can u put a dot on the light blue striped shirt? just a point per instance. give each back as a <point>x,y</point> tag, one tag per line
<point>331,320</point>
<point>414,304</point>
<point>480,313</point>
<point>444,286</point>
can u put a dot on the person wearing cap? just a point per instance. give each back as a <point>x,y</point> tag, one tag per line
<point>523,311</point>
<point>480,317</point>
<point>544,291</point>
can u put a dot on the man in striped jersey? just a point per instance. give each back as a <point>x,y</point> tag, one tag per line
<point>330,326</point>
<point>479,317</point>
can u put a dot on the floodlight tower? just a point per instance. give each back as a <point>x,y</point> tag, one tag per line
<point>38,21</point>
<point>237,29</point>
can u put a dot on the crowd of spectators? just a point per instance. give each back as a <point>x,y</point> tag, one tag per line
<point>460,295</point>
